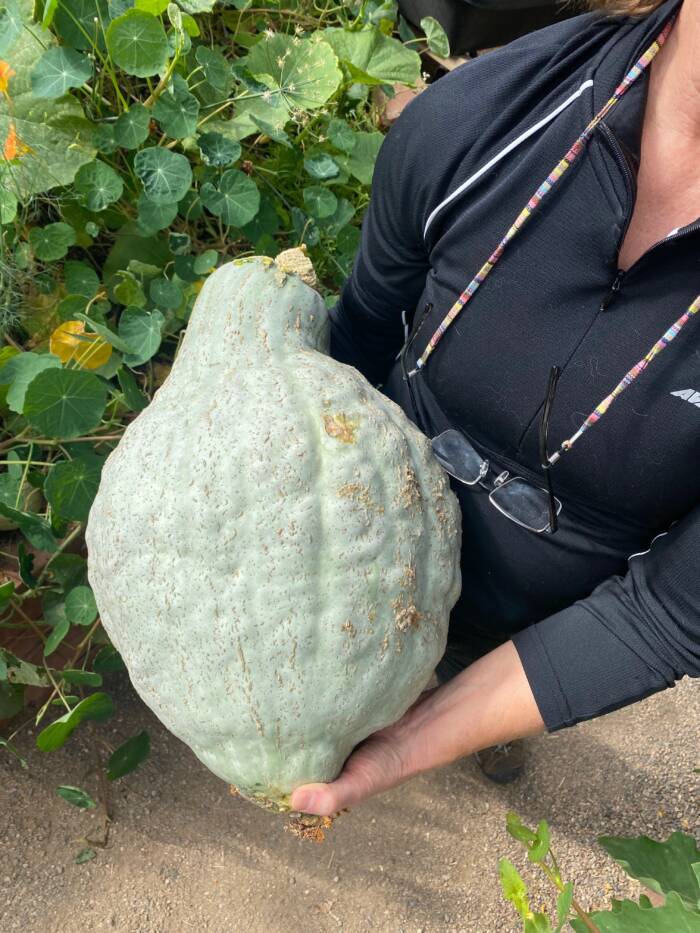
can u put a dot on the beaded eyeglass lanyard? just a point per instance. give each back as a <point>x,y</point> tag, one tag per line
<point>520,222</point>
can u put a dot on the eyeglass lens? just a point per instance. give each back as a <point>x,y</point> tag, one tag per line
<point>458,457</point>
<point>526,504</point>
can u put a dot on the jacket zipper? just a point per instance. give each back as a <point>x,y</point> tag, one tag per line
<point>632,188</point>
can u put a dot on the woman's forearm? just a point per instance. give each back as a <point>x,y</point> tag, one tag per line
<point>488,703</point>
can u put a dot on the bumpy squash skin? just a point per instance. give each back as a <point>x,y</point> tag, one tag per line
<point>273,548</point>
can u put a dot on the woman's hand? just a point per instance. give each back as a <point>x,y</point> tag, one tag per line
<point>488,703</point>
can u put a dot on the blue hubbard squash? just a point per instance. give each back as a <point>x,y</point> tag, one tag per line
<point>273,548</point>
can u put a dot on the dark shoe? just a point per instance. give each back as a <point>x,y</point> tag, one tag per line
<point>502,763</point>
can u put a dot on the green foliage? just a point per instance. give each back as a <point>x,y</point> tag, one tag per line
<point>144,144</point>
<point>671,868</point>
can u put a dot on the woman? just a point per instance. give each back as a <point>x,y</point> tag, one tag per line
<point>563,616</point>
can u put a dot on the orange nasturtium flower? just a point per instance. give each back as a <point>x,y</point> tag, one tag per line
<point>70,343</point>
<point>14,147</point>
<point>6,72</point>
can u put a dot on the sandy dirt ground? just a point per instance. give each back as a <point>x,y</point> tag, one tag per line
<point>183,855</point>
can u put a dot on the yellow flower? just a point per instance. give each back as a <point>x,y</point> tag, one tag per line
<point>6,73</point>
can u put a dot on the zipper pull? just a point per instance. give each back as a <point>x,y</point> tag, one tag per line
<point>614,289</point>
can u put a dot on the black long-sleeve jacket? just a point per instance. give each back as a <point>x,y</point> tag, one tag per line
<point>607,610</point>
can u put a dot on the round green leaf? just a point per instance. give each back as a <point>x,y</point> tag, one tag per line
<point>320,202</point>
<point>137,43</point>
<point>76,796</point>
<point>52,241</point>
<point>321,166</point>
<point>142,331</point>
<point>128,756</point>
<point>215,67</point>
<point>177,110</point>
<point>81,608</point>
<point>205,262</point>
<point>65,403</point>
<point>131,128</point>
<point>236,200</point>
<point>98,185</point>
<point>165,294</point>
<point>81,278</point>
<point>218,150</point>
<point>58,70</point>
<point>166,176</point>
<point>19,371</point>
<point>71,486</point>
<point>301,73</point>
<point>436,36</point>
<point>154,217</point>
<point>341,134</point>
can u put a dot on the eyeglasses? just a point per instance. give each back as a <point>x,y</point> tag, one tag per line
<point>533,507</point>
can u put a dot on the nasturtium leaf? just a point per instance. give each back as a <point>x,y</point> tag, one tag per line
<point>662,866</point>
<point>35,529</point>
<point>97,706</point>
<point>360,162</point>
<point>320,202</point>
<point>71,486</point>
<point>80,677</point>
<point>340,218</point>
<point>217,149</point>
<point>154,217</point>
<point>58,70</point>
<point>44,142</point>
<point>205,262</point>
<point>197,6</point>
<point>137,43</point>
<point>104,138</point>
<point>236,199</point>
<point>10,24</point>
<point>131,128</point>
<point>8,205</point>
<point>299,74</point>
<point>341,134</point>
<point>56,636</point>
<point>266,222</point>
<point>165,293</point>
<point>65,403</point>
<point>436,36</point>
<point>166,176</point>
<point>373,58</point>
<point>19,371</point>
<point>190,26</point>
<point>184,268</point>
<point>81,608</point>
<point>128,756</point>
<point>108,661</point>
<point>215,67</point>
<point>68,570</point>
<point>177,109</point>
<point>321,166</point>
<point>133,396</point>
<point>155,7</point>
<point>142,331</point>
<point>76,796</point>
<point>71,344</point>
<point>98,185</point>
<point>81,278</point>
<point>52,241</point>
<point>67,307</point>
<point>18,671</point>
